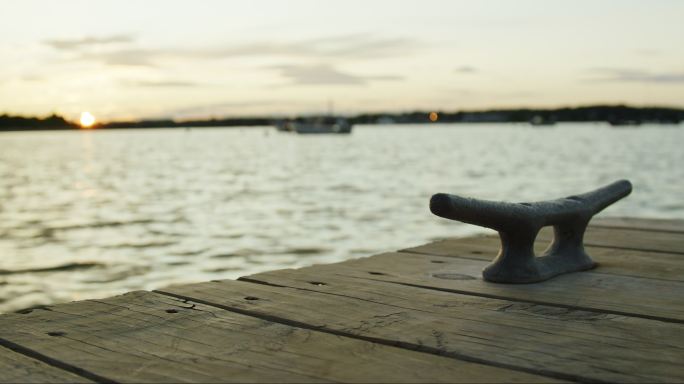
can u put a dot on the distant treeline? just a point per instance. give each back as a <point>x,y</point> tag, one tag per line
<point>607,113</point>
<point>228,122</point>
<point>616,114</point>
<point>19,123</point>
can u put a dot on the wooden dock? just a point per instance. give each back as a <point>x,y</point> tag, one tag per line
<point>422,314</point>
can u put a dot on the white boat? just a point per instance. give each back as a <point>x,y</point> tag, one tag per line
<point>323,125</point>
<point>541,121</point>
<point>327,123</point>
<point>337,125</point>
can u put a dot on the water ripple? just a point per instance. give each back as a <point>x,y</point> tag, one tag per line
<point>92,214</point>
<point>58,268</point>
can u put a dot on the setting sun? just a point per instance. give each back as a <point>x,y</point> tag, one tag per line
<point>87,119</point>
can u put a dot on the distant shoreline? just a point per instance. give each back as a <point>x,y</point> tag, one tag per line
<point>613,114</point>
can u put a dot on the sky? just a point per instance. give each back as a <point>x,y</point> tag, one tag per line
<point>124,60</point>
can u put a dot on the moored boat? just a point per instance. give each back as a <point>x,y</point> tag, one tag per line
<point>329,124</point>
<point>542,121</point>
<point>624,123</point>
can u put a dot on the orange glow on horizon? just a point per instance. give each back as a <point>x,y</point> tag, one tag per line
<point>433,116</point>
<point>87,120</point>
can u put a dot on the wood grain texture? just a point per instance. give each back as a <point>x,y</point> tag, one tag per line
<point>420,315</point>
<point>647,298</point>
<point>622,238</point>
<point>147,337</point>
<point>17,368</point>
<point>625,262</point>
<point>662,225</point>
<point>561,343</point>
<point>628,239</point>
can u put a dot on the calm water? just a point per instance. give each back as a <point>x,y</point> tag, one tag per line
<point>91,214</point>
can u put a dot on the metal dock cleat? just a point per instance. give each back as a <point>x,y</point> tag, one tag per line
<point>519,223</point>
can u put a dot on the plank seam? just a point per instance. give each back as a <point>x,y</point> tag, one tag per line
<point>608,226</point>
<point>35,355</point>
<point>633,276</point>
<point>548,304</point>
<point>260,282</point>
<point>408,250</point>
<point>477,294</point>
<point>592,271</point>
<point>628,248</point>
<point>386,342</point>
<point>549,239</point>
<point>411,250</point>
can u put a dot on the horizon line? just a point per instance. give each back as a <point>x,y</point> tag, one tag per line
<point>388,113</point>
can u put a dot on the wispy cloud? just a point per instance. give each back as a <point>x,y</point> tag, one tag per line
<point>224,108</point>
<point>458,91</point>
<point>125,57</point>
<point>522,94</point>
<point>630,75</point>
<point>120,50</point>
<point>325,74</point>
<point>649,52</point>
<point>113,50</point>
<point>161,84</point>
<point>88,41</point>
<point>466,69</point>
<point>338,47</point>
<point>32,78</point>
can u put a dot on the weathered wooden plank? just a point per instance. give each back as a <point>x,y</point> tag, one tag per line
<point>619,238</point>
<point>625,262</point>
<point>647,298</point>
<point>568,344</point>
<point>663,225</point>
<point>147,337</point>
<point>17,368</point>
<point>628,239</point>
